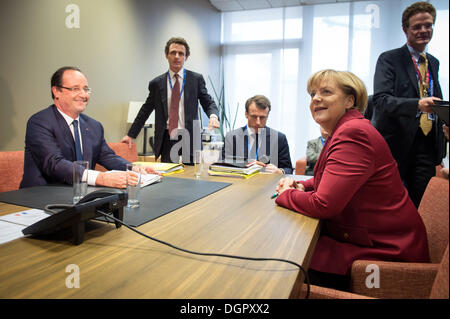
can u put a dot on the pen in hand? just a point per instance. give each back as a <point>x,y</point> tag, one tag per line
<point>274,196</point>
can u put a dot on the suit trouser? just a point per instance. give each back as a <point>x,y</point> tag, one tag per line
<point>419,166</point>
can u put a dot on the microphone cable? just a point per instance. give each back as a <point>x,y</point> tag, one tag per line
<point>305,274</point>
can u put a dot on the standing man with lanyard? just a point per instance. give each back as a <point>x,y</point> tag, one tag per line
<point>174,96</point>
<point>405,85</point>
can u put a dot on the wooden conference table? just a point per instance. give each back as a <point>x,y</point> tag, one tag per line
<point>241,219</point>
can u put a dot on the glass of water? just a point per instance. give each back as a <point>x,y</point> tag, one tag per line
<point>133,185</point>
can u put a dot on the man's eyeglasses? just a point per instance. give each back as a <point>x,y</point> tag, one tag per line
<point>417,27</point>
<point>77,90</point>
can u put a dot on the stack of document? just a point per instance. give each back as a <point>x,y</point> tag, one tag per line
<point>164,168</point>
<point>234,169</point>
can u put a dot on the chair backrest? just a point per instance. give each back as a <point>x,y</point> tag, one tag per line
<point>440,285</point>
<point>123,151</point>
<point>300,166</point>
<point>11,170</point>
<point>434,211</point>
<point>11,164</point>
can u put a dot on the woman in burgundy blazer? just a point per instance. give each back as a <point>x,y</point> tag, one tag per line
<point>356,190</point>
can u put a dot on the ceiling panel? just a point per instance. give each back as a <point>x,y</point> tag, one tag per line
<point>240,5</point>
<point>254,4</point>
<point>226,5</point>
<point>284,3</point>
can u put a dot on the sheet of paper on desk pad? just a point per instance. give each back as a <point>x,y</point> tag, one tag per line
<point>11,225</point>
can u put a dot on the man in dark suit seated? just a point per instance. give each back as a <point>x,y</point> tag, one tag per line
<point>257,141</point>
<point>406,84</point>
<point>174,97</point>
<point>60,134</point>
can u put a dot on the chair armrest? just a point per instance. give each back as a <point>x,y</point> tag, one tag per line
<point>317,292</point>
<point>396,279</point>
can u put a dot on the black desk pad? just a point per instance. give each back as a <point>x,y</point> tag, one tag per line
<point>156,200</point>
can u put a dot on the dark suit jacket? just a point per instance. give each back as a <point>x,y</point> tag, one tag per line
<point>50,148</point>
<point>274,146</point>
<point>358,193</point>
<point>194,91</point>
<point>395,99</point>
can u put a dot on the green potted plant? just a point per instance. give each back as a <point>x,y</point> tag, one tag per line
<point>225,115</point>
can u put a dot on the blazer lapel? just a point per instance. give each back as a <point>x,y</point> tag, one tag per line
<point>65,130</point>
<point>243,134</point>
<point>246,150</point>
<point>86,142</point>
<point>434,72</point>
<point>410,70</point>
<point>163,94</point>
<point>187,93</point>
<point>265,145</point>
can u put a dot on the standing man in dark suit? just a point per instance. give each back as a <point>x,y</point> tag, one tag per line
<point>257,141</point>
<point>174,96</point>
<point>405,85</point>
<point>52,134</point>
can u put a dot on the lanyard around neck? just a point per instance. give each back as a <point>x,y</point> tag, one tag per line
<point>184,82</point>
<point>425,82</point>
<point>257,144</point>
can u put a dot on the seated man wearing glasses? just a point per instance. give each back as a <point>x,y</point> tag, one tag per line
<point>60,134</point>
<point>256,141</point>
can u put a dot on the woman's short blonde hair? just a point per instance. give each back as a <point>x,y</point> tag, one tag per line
<point>349,83</point>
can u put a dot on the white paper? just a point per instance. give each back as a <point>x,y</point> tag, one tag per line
<point>9,231</point>
<point>11,225</point>
<point>26,217</point>
<point>146,179</point>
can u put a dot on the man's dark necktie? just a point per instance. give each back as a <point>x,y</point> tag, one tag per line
<point>256,146</point>
<point>174,106</point>
<point>77,141</point>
